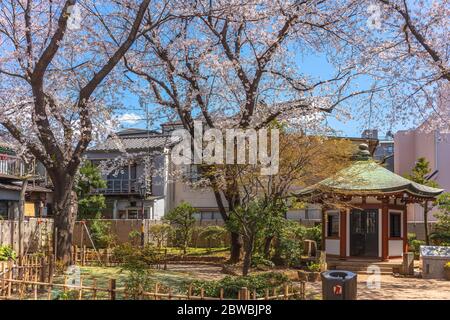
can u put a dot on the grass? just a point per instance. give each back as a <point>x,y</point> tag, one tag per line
<point>103,275</point>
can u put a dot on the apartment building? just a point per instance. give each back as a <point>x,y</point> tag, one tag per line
<point>38,195</point>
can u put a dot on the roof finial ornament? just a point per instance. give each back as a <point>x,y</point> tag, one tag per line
<point>363,152</point>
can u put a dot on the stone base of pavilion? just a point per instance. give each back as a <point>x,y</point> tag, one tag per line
<point>365,265</point>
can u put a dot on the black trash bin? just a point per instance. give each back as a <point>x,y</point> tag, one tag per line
<point>338,285</point>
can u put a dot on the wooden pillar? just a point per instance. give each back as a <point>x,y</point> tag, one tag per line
<point>385,230</point>
<point>405,229</point>
<point>324,223</point>
<point>343,234</point>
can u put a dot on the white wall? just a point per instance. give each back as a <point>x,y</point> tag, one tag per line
<point>159,206</point>
<point>332,246</point>
<point>395,248</point>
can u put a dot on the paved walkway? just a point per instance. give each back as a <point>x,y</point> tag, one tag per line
<point>393,288</point>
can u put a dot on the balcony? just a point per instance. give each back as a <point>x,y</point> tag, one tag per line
<point>119,186</point>
<point>11,167</point>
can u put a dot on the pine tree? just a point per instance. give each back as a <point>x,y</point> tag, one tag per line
<point>90,205</point>
<point>420,174</point>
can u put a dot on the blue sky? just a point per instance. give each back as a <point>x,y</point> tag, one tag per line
<point>314,65</point>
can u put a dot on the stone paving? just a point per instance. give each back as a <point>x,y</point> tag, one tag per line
<point>394,288</point>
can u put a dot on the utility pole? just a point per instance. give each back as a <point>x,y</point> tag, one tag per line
<point>22,213</point>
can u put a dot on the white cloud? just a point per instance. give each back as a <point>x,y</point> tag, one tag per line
<point>129,118</point>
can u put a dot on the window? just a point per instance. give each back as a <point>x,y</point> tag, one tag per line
<point>3,210</point>
<point>333,224</point>
<point>208,215</point>
<point>395,225</point>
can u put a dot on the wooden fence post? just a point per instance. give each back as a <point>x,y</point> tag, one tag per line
<point>189,293</point>
<point>94,290</point>
<point>2,271</point>
<point>286,291</point>
<point>80,290</point>
<point>156,290</point>
<point>83,256</point>
<point>49,288</point>
<point>10,271</point>
<point>112,289</point>
<point>244,293</point>
<point>75,254</point>
<point>51,267</point>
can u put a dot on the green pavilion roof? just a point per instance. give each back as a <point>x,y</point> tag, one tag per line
<point>365,176</point>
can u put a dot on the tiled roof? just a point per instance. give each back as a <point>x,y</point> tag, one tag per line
<point>367,176</point>
<point>134,143</point>
<point>15,187</point>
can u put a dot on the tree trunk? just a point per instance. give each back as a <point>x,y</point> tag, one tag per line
<point>236,246</point>
<point>248,252</point>
<point>267,244</point>
<point>66,207</point>
<point>425,220</point>
<point>235,238</point>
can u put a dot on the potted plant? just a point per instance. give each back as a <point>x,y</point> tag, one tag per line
<point>447,270</point>
<point>314,271</point>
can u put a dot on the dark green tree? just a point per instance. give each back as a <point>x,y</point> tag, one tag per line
<point>89,205</point>
<point>420,174</point>
<point>441,234</point>
<point>183,220</point>
<point>251,221</point>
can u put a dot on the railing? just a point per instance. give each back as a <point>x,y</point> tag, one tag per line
<point>119,186</point>
<point>11,166</point>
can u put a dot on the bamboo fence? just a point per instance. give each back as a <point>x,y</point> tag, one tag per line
<point>33,278</point>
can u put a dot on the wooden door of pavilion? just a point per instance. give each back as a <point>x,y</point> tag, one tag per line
<point>364,233</point>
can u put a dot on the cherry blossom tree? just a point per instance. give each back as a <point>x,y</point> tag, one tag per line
<point>58,82</point>
<point>406,51</point>
<point>233,64</point>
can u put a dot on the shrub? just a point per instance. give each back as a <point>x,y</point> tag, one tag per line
<point>259,262</point>
<point>7,253</point>
<point>160,233</point>
<point>138,281</point>
<point>314,267</point>
<point>232,285</point>
<point>101,233</point>
<point>68,295</point>
<point>131,257</point>
<point>290,243</point>
<point>213,234</point>
<point>315,233</point>
<point>414,246</point>
<point>447,266</point>
<point>183,220</point>
<point>135,237</point>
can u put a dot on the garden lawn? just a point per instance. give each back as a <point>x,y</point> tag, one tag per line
<point>102,275</point>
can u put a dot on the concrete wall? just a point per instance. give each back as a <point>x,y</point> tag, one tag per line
<point>433,267</point>
<point>418,229</point>
<point>435,147</point>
